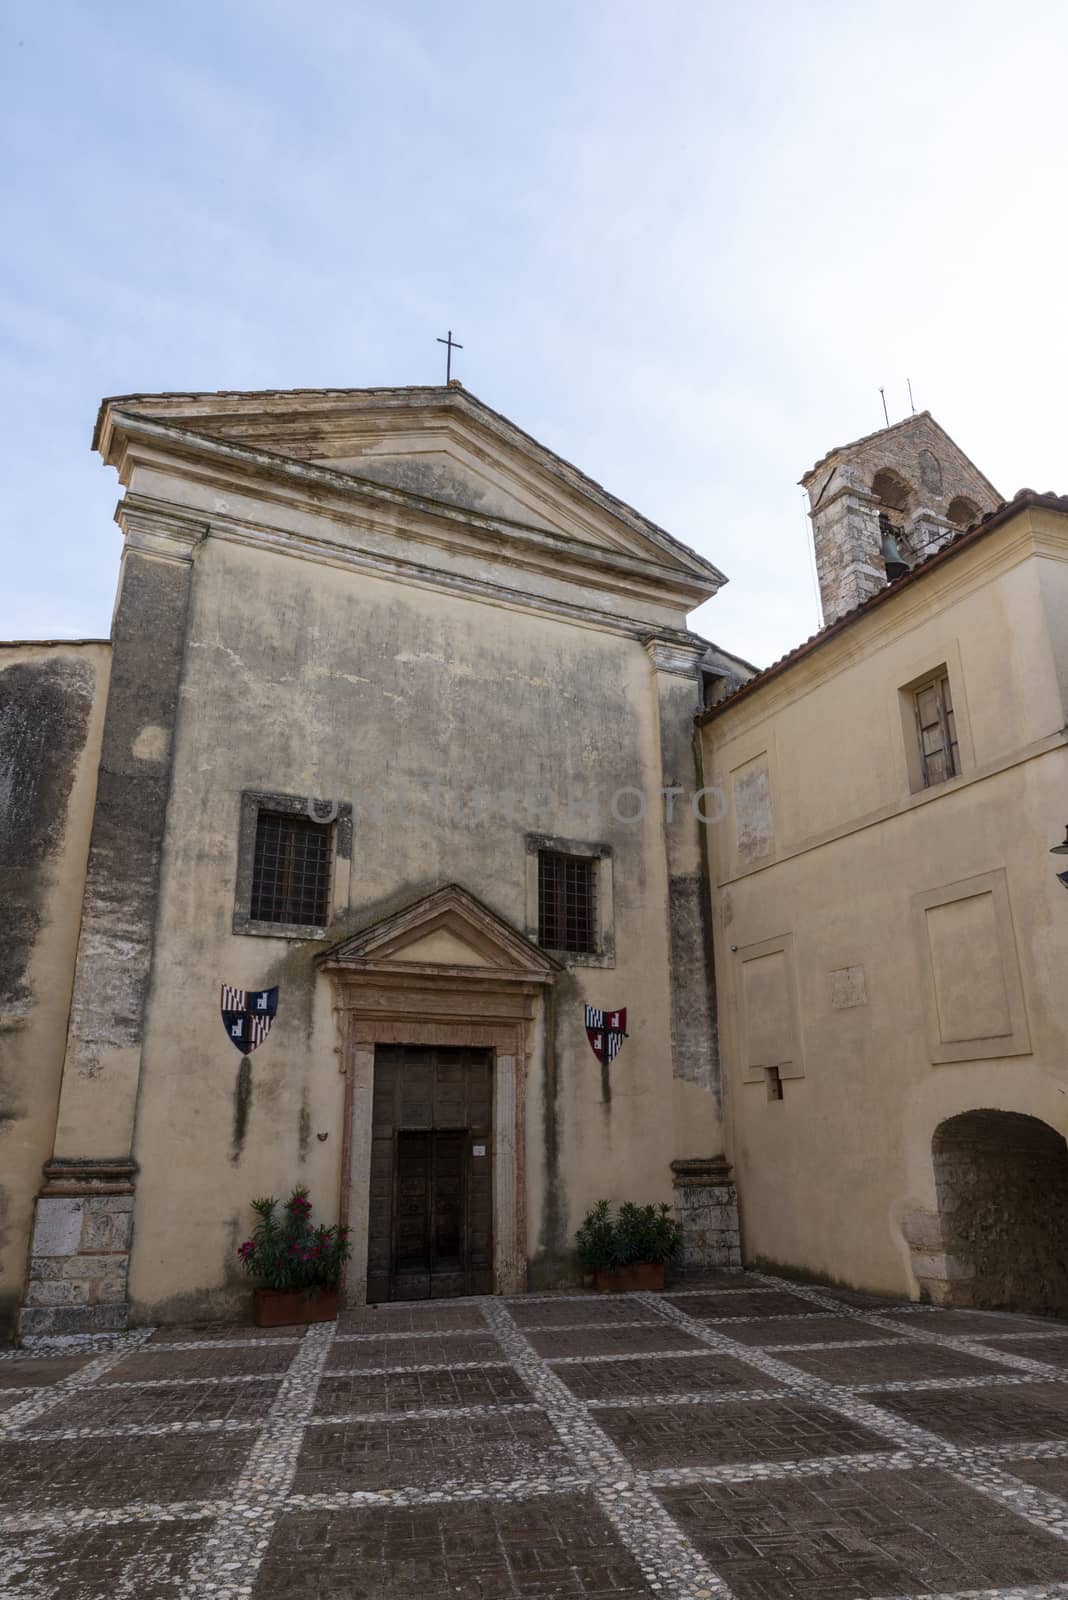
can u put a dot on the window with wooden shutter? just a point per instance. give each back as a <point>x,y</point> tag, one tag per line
<point>936,731</point>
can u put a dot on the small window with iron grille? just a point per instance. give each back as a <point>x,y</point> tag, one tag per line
<point>936,730</point>
<point>567,912</point>
<point>293,858</point>
<point>291,871</point>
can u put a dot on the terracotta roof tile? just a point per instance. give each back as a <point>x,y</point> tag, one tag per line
<point>1021,501</point>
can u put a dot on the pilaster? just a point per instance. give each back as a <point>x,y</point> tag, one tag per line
<point>80,1254</point>
<point>693,1007</point>
<point>847,542</point>
<point>706,1204</point>
<point>84,1212</point>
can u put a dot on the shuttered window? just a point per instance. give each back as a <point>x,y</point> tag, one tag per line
<point>936,731</point>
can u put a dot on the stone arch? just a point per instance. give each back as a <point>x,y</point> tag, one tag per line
<point>892,491</point>
<point>962,511</point>
<point>1001,1181</point>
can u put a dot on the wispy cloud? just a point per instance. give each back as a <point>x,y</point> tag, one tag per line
<point>683,244</point>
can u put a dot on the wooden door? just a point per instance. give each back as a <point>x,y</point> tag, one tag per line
<point>430,1230</point>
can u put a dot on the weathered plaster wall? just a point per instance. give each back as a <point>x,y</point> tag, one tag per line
<point>842,915</point>
<point>79,1254</point>
<point>456,727</point>
<point>118,917</point>
<point>52,699</point>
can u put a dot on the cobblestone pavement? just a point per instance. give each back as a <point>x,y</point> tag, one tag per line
<point>742,1437</point>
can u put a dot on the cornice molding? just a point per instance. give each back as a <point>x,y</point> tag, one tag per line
<point>670,655</point>
<point>357,412</point>
<point>161,529</point>
<point>509,956</point>
<point>902,807</point>
<point>692,581</point>
<point>416,574</point>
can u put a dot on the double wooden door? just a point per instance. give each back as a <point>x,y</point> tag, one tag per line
<point>431,1214</point>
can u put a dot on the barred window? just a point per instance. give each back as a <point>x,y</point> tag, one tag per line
<point>291,871</point>
<point>566,909</point>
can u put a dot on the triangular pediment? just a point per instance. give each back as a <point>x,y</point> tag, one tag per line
<point>447,932</point>
<point>436,445</point>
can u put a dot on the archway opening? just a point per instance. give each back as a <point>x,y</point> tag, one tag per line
<point>892,492</point>
<point>962,511</point>
<point>1002,1185</point>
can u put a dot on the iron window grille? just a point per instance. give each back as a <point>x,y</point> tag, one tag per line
<point>936,729</point>
<point>291,870</point>
<point>566,902</point>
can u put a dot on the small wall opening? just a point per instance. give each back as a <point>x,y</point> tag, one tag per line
<point>1002,1185</point>
<point>962,511</point>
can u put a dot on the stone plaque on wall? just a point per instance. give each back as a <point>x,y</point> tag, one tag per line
<point>848,988</point>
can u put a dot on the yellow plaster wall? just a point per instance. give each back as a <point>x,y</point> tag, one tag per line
<point>827,1173</point>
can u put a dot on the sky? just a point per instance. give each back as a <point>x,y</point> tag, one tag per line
<point>683,245</point>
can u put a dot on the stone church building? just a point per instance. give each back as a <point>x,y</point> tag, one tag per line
<point>401,731</point>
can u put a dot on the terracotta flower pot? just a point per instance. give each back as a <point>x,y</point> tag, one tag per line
<point>639,1275</point>
<point>282,1308</point>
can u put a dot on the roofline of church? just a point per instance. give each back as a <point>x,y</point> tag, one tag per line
<point>23,644</point>
<point>917,416</point>
<point>452,394</point>
<point>690,589</point>
<point>1023,500</point>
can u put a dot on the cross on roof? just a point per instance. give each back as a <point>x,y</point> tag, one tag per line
<point>450,345</point>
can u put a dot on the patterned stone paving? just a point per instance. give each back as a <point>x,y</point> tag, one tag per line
<point>595,1340</point>
<point>744,1437</point>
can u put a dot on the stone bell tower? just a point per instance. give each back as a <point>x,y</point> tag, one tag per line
<point>908,481</point>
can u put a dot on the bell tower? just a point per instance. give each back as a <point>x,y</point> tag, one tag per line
<point>885,502</point>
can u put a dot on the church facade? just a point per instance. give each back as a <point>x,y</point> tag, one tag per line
<point>404,842</point>
<point>394,733</point>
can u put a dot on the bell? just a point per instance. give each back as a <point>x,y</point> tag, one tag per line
<point>894,562</point>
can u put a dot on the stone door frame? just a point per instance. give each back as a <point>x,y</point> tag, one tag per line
<point>444,971</point>
<point>434,1010</point>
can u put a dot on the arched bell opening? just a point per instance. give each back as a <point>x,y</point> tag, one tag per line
<point>962,511</point>
<point>895,499</point>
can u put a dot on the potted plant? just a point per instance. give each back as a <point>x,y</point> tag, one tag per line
<point>628,1251</point>
<point>297,1266</point>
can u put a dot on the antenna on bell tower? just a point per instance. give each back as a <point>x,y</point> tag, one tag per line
<point>912,402</point>
<point>886,413</point>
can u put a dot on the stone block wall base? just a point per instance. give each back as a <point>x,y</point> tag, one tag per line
<point>706,1204</point>
<point>80,1256</point>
